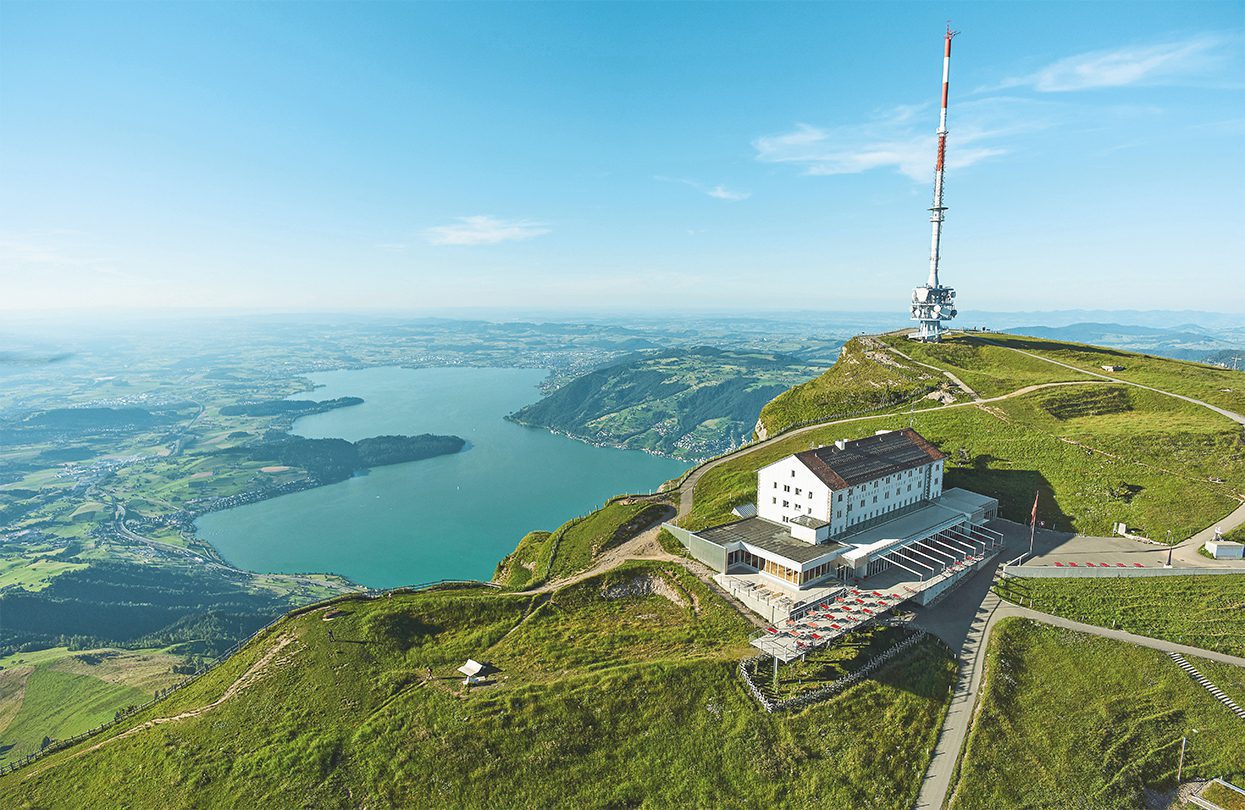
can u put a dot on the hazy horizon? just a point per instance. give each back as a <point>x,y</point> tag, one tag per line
<point>580,157</point>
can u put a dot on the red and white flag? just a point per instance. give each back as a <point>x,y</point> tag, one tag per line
<point>1033,517</point>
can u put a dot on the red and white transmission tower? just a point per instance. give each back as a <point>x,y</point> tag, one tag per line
<point>933,303</point>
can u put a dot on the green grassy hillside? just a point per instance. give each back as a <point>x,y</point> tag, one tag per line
<point>691,403</point>
<point>1070,720</point>
<point>573,547</point>
<point>1211,612</point>
<point>616,692</point>
<point>1097,453</point>
<point>58,693</point>
<point>866,377</point>
<point>887,370</point>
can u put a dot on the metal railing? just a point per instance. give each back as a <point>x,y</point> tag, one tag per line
<point>825,692</point>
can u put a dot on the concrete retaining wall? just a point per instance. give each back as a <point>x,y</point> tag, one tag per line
<point>1080,572</point>
<point>711,554</point>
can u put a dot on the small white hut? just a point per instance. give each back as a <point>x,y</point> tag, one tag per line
<point>472,670</point>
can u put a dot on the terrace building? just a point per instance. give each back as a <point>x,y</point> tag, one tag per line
<point>843,514</point>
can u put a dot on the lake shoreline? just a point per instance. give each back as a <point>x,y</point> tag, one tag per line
<point>451,516</point>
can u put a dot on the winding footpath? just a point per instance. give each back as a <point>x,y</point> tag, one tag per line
<point>687,487</point>
<point>966,626</point>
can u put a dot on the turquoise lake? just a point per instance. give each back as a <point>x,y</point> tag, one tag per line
<point>440,518</point>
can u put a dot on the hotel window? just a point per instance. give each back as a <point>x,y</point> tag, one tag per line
<point>840,497</point>
<point>775,485</point>
<point>797,490</point>
<point>785,504</point>
<point>875,498</point>
<point>786,488</point>
<point>775,500</point>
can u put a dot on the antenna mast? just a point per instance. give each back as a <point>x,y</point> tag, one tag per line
<point>934,303</point>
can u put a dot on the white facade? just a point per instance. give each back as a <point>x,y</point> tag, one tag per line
<point>787,489</point>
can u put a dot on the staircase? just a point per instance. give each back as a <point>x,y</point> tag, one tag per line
<point>1210,687</point>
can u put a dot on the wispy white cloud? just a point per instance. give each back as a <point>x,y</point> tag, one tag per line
<point>1163,63</point>
<point>484,230</point>
<point>718,192</point>
<point>900,138</point>
<point>721,192</point>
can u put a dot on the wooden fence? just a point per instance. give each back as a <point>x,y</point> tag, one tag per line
<point>60,745</point>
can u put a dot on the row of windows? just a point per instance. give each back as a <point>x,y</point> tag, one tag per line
<point>792,575</point>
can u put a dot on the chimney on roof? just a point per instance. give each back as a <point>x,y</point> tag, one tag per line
<point>840,443</point>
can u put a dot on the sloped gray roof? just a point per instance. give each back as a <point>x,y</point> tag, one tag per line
<point>872,457</point>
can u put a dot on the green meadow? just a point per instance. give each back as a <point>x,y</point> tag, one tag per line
<point>620,690</point>
<point>1072,720</point>
<point>1206,612</point>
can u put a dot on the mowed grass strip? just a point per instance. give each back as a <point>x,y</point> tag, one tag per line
<point>1072,720</point>
<point>1206,612</point>
<point>618,691</point>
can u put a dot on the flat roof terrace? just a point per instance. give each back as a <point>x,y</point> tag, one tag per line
<point>771,537</point>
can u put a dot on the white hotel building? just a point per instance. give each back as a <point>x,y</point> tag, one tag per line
<point>846,512</point>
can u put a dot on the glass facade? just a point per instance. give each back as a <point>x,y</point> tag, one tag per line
<point>775,569</point>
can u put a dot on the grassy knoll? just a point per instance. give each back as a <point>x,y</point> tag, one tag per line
<point>1206,612</point>
<point>1071,720</point>
<point>1137,457</point>
<point>618,691</point>
<point>988,369</point>
<point>541,556</point>
<point>866,377</point>
<point>1212,384</point>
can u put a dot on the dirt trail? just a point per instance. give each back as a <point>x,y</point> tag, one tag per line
<point>643,546</point>
<point>246,679</point>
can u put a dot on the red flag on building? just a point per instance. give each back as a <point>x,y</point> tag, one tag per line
<point>1033,517</point>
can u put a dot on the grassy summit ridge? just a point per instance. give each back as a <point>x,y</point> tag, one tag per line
<point>541,556</point>
<point>865,377</point>
<point>1098,452</point>
<point>618,691</point>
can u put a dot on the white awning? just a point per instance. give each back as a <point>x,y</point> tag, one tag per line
<point>471,668</point>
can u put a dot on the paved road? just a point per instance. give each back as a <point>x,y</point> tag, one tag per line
<point>1186,552</point>
<point>964,620</point>
<point>687,488</point>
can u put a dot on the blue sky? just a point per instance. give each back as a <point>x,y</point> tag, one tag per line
<point>602,157</point>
